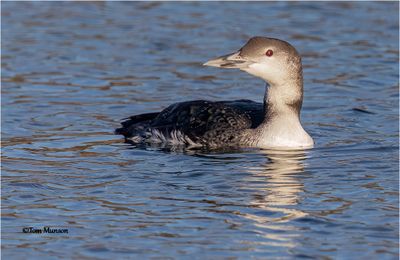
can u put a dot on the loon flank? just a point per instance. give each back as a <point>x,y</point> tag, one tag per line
<point>275,123</point>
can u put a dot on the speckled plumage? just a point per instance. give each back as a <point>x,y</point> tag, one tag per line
<point>198,123</point>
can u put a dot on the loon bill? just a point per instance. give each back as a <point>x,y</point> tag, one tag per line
<point>275,123</point>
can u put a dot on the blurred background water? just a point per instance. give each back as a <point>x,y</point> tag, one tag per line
<point>71,71</point>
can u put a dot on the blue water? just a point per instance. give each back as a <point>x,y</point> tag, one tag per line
<point>71,71</point>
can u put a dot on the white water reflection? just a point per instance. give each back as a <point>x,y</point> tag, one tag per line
<point>278,190</point>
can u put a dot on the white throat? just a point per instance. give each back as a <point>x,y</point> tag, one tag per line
<point>282,127</point>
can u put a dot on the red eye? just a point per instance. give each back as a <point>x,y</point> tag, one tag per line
<point>269,53</point>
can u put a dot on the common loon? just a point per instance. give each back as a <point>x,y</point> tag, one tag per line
<point>275,123</point>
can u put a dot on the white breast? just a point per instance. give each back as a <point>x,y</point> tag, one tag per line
<point>284,133</point>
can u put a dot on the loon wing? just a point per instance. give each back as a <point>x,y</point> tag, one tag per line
<point>201,121</point>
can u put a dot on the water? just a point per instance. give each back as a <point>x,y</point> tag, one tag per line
<point>71,71</point>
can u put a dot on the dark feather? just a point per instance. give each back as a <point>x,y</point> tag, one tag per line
<point>202,121</point>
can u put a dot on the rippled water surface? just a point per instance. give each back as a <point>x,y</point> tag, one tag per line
<point>71,71</point>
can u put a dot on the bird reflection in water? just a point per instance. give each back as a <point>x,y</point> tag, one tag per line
<point>276,186</point>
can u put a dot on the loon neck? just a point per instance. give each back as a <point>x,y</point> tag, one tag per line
<point>283,100</point>
<point>281,126</point>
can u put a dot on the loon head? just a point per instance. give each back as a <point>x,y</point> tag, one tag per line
<point>275,61</point>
